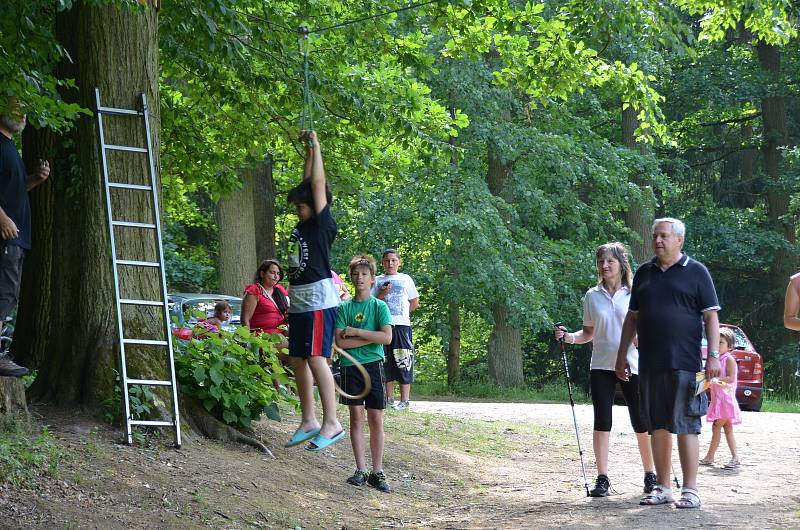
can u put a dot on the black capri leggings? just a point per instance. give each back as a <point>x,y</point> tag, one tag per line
<point>603,384</point>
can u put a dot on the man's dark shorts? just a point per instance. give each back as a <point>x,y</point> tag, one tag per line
<point>11,257</point>
<point>353,384</point>
<point>668,401</point>
<point>399,364</point>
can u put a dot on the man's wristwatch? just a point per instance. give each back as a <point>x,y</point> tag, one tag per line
<point>714,354</point>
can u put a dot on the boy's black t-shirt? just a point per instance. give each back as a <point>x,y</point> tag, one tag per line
<point>310,248</point>
<point>14,192</point>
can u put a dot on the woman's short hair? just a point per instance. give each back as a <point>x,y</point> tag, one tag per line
<point>728,336</point>
<point>617,251</point>
<point>362,260</point>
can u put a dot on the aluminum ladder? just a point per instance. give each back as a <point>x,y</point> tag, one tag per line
<point>155,227</point>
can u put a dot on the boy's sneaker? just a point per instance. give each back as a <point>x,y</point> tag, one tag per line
<point>403,405</point>
<point>601,487</point>
<point>9,368</point>
<point>390,403</point>
<point>650,482</point>
<point>358,478</point>
<point>378,481</point>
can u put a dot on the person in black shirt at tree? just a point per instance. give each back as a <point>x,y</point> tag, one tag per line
<point>314,301</point>
<point>15,217</point>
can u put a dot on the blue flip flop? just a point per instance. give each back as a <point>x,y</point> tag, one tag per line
<point>301,436</point>
<point>321,442</point>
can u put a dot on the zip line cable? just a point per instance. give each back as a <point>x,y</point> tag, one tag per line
<point>372,17</point>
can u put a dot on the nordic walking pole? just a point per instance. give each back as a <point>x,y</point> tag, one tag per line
<point>572,404</point>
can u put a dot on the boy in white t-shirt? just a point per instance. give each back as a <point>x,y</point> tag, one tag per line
<point>400,294</point>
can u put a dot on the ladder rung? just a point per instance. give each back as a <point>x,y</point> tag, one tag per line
<point>150,382</point>
<point>147,342</point>
<point>121,112</point>
<point>133,225</point>
<point>129,186</point>
<point>153,422</point>
<point>126,148</point>
<point>131,301</point>
<point>138,263</point>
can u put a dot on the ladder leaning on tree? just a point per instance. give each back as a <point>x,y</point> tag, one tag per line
<point>165,341</point>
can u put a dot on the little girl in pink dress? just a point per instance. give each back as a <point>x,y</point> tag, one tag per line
<point>723,411</point>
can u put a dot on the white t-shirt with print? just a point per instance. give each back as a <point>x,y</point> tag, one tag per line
<point>606,314</point>
<point>403,290</point>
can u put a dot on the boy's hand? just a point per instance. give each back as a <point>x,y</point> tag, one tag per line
<point>351,333</point>
<point>309,138</point>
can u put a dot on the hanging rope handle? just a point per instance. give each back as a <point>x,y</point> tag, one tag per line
<point>361,369</point>
<point>307,117</point>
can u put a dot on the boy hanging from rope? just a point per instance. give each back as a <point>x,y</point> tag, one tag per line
<point>314,300</point>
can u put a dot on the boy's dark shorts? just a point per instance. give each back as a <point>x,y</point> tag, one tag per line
<point>311,333</point>
<point>399,363</point>
<point>668,401</point>
<point>353,384</point>
<point>11,258</point>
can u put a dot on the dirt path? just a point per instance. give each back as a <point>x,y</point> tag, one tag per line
<point>453,465</point>
<point>532,491</point>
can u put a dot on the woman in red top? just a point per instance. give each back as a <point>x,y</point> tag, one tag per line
<point>265,304</point>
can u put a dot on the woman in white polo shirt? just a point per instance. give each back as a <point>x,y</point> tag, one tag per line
<point>604,310</point>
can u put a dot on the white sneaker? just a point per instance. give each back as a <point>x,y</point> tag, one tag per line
<point>403,405</point>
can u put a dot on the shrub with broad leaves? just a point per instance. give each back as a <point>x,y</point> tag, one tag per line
<point>232,372</point>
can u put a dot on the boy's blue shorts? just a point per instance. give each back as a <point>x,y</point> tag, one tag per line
<point>311,333</point>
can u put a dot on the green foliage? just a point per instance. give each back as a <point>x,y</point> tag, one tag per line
<point>28,55</point>
<point>26,451</point>
<point>224,373</point>
<point>142,401</point>
<point>550,393</point>
<point>189,268</point>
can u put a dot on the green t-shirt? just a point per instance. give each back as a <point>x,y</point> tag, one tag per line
<point>372,315</point>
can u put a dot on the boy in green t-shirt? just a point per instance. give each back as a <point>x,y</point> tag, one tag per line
<point>363,326</point>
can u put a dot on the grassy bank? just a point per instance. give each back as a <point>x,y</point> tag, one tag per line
<point>27,450</point>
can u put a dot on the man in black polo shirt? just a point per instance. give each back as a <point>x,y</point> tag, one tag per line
<point>15,218</point>
<point>672,298</point>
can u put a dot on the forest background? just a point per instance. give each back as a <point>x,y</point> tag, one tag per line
<point>495,143</point>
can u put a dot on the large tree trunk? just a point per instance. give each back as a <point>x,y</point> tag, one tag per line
<point>505,344</point>
<point>750,187</point>
<point>454,345</point>
<point>33,318</point>
<point>264,197</point>
<point>773,109</point>
<point>639,215</point>
<point>237,240</point>
<point>505,350</point>
<point>453,306</point>
<point>115,49</point>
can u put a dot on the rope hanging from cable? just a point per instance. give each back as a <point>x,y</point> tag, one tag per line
<point>307,119</point>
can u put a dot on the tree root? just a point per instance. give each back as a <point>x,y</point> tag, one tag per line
<point>204,423</point>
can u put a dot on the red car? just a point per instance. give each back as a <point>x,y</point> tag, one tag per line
<point>751,370</point>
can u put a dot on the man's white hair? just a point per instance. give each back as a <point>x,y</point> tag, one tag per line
<point>678,228</point>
